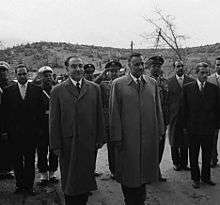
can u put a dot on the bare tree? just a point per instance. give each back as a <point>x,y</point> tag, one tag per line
<point>165,34</point>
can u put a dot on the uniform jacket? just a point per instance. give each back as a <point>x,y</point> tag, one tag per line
<point>76,125</point>
<point>175,115</point>
<point>136,121</point>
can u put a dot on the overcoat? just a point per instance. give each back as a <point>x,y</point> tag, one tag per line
<point>176,135</point>
<point>76,126</point>
<point>136,121</point>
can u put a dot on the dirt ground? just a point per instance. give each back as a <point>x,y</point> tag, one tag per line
<point>176,191</point>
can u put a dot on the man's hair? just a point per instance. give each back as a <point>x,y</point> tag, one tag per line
<point>134,55</point>
<point>201,64</point>
<point>20,66</point>
<point>177,61</point>
<point>66,63</point>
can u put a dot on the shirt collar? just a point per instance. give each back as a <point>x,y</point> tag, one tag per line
<point>199,83</point>
<point>179,77</point>
<point>75,82</point>
<point>21,86</point>
<point>217,75</point>
<point>134,78</point>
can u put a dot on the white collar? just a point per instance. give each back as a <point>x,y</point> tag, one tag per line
<point>179,77</point>
<point>134,78</point>
<point>22,86</point>
<point>200,84</point>
<point>217,75</point>
<point>75,82</point>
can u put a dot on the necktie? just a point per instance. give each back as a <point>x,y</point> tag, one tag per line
<point>202,87</point>
<point>180,80</point>
<point>138,85</point>
<point>23,90</point>
<point>78,87</point>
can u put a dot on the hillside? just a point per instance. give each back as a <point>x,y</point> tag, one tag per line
<point>38,54</point>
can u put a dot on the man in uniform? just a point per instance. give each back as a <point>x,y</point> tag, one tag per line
<point>178,139</point>
<point>5,148</point>
<point>76,131</point>
<point>136,124</point>
<point>113,68</point>
<point>46,166</point>
<point>155,63</point>
<point>89,70</point>
<point>215,79</point>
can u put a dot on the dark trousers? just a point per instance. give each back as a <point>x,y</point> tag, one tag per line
<point>214,148</point>
<point>46,162</point>
<point>81,199</point>
<point>6,156</point>
<point>134,196</point>
<point>180,156</point>
<point>161,149</point>
<point>205,142</point>
<point>111,157</point>
<point>24,167</point>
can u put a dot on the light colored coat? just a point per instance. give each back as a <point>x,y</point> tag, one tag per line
<point>76,126</point>
<point>136,121</point>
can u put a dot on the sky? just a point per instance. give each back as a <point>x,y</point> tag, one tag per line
<point>112,23</point>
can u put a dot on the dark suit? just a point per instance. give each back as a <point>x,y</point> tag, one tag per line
<point>178,141</point>
<point>22,123</point>
<point>201,118</point>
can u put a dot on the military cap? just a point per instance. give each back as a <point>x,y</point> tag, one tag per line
<point>89,68</point>
<point>114,64</point>
<point>156,60</point>
<point>4,65</point>
<point>45,69</point>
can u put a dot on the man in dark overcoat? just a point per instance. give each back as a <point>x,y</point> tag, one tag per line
<point>76,131</point>
<point>178,139</point>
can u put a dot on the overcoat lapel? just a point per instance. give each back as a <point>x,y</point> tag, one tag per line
<point>71,88</point>
<point>83,89</point>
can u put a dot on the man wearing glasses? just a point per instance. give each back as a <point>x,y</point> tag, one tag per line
<point>177,137</point>
<point>76,131</point>
<point>136,124</point>
<point>215,79</point>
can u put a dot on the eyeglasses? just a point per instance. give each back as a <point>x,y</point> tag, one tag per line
<point>180,66</point>
<point>76,65</point>
<point>217,64</point>
<point>138,64</point>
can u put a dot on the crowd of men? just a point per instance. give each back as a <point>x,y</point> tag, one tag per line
<point>129,112</point>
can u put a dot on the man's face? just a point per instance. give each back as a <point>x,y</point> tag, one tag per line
<point>89,76</point>
<point>179,68</point>
<point>114,72</point>
<point>75,68</point>
<point>3,74</point>
<point>21,75</point>
<point>47,78</point>
<point>136,66</point>
<point>217,66</point>
<point>203,74</point>
<point>155,71</point>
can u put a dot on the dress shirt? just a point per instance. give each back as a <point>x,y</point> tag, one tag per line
<point>135,79</point>
<point>23,89</point>
<point>180,80</point>
<point>201,86</point>
<point>75,82</point>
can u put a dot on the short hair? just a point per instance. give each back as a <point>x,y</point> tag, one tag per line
<point>201,64</point>
<point>134,55</point>
<point>20,66</point>
<point>66,63</point>
<point>177,61</point>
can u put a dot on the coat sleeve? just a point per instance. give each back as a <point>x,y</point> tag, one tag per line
<point>115,114</point>
<point>55,121</point>
<point>159,113</point>
<point>100,137</point>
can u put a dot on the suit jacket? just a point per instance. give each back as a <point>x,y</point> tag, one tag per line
<point>76,126</point>
<point>175,115</point>
<point>23,118</point>
<point>201,109</point>
<point>213,79</point>
<point>136,120</point>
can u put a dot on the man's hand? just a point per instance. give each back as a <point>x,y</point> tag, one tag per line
<point>4,136</point>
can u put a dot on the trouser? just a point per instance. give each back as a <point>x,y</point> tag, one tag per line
<point>214,148</point>
<point>24,167</point>
<point>205,142</point>
<point>81,199</point>
<point>44,162</point>
<point>111,157</point>
<point>161,150</point>
<point>134,196</point>
<point>180,156</point>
